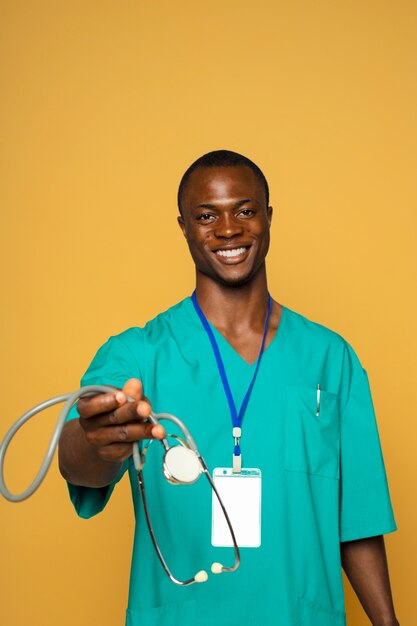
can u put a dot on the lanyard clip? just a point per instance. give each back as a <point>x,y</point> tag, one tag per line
<point>237,464</point>
<point>237,457</point>
<point>237,433</point>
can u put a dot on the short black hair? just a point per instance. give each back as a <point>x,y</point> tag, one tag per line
<point>221,158</point>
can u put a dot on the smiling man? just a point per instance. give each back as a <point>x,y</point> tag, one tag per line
<point>268,395</point>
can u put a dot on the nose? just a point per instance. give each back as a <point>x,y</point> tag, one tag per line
<point>227,226</point>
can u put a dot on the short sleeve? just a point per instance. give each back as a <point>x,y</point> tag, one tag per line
<point>365,504</point>
<point>114,363</point>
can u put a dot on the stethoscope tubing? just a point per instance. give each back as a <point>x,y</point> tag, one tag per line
<point>70,399</point>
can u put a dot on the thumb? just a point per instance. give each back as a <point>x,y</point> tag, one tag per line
<point>133,388</point>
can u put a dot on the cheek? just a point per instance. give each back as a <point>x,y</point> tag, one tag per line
<point>198,240</point>
<point>263,236</point>
<point>195,246</point>
<point>263,230</point>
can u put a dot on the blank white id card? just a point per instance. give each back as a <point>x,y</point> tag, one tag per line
<point>241,496</point>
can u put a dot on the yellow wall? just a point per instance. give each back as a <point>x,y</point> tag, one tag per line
<point>103,106</point>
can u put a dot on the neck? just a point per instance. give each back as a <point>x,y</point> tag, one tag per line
<point>234,307</point>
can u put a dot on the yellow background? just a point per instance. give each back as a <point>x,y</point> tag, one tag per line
<point>103,106</point>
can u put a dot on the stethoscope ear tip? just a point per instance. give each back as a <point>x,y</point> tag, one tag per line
<point>216,568</point>
<point>201,576</point>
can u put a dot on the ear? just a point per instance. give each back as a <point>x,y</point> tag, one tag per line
<point>181,224</point>
<point>269,212</point>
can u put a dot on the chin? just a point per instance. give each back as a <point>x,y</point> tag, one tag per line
<point>229,278</point>
<point>239,281</point>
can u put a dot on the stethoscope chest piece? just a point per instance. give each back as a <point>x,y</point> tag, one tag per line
<point>181,465</point>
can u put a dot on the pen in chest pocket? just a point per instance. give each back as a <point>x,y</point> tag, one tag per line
<point>318,400</point>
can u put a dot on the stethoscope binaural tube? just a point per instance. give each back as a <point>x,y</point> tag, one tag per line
<point>181,465</point>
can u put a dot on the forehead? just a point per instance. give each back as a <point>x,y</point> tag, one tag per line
<point>222,185</point>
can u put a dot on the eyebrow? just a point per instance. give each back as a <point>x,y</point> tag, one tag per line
<point>213,206</point>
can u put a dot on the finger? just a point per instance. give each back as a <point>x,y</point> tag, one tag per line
<point>119,415</point>
<point>143,408</point>
<point>101,403</point>
<point>158,431</point>
<point>131,412</point>
<point>125,433</point>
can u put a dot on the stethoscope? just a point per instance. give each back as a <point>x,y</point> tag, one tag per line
<point>182,465</point>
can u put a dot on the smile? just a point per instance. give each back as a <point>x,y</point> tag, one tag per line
<point>232,256</point>
<point>232,252</point>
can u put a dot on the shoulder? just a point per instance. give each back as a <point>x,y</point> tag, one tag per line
<point>307,329</point>
<point>135,335</point>
<point>320,337</point>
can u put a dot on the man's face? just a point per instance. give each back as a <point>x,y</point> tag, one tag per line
<point>226,223</point>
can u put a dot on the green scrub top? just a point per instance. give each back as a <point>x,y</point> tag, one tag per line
<point>323,478</point>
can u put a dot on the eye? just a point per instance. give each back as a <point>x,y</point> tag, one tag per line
<point>247,212</point>
<point>205,217</point>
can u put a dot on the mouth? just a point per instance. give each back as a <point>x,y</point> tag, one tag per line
<point>232,255</point>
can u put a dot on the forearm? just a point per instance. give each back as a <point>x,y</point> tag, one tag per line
<point>79,462</point>
<point>365,564</point>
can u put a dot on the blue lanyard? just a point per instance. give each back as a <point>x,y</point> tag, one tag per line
<point>236,417</point>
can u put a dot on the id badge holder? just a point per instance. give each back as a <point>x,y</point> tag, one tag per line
<point>241,496</point>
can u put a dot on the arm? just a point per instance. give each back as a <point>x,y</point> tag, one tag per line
<point>79,462</point>
<point>365,564</point>
<point>93,447</point>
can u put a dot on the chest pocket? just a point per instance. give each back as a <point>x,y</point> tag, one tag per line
<point>312,444</point>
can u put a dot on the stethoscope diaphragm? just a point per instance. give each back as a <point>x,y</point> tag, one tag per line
<point>181,465</point>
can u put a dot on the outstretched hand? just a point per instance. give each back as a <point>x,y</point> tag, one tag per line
<point>111,423</point>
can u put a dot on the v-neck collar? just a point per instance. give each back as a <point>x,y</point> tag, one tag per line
<point>277,338</point>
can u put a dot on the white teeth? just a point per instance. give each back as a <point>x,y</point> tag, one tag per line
<point>231,253</point>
